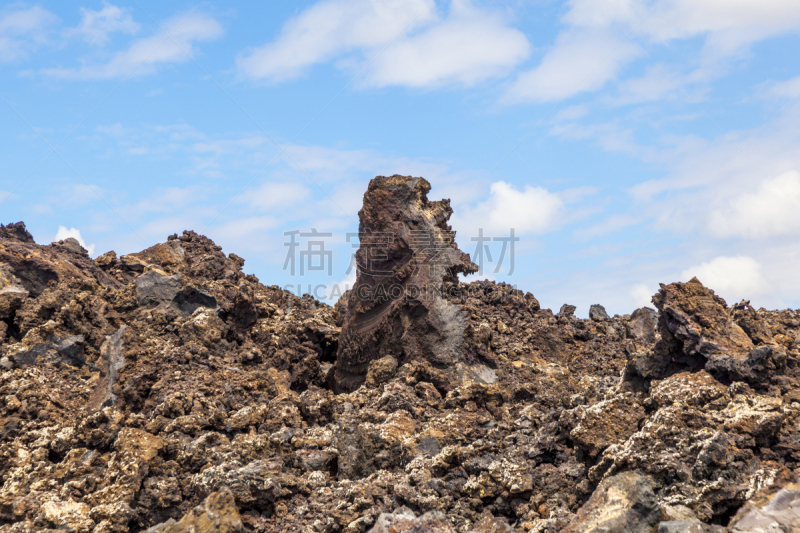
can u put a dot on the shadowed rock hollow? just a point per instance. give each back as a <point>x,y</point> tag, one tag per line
<point>168,390</point>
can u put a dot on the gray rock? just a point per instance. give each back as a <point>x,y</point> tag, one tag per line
<point>349,441</point>
<point>491,524</point>
<point>598,312</point>
<point>154,289</point>
<point>779,514</point>
<point>688,526</point>
<point>111,362</point>
<point>404,521</point>
<point>68,351</point>
<point>12,293</point>
<point>72,245</point>
<point>624,503</point>
<point>642,325</point>
<point>428,445</point>
<point>256,484</point>
<point>567,311</point>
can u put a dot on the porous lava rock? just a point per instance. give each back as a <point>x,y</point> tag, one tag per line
<point>698,330</point>
<point>407,262</point>
<point>122,409</point>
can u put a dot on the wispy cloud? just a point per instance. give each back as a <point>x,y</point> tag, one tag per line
<point>405,43</point>
<point>783,89</point>
<point>600,41</point>
<point>328,29</point>
<point>578,62</point>
<point>146,55</point>
<point>96,27</point>
<point>23,30</point>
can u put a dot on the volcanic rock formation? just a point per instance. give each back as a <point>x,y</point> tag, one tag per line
<point>168,390</point>
<point>407,263</point>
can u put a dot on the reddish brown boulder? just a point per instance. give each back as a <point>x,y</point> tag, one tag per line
<point>699,331</point>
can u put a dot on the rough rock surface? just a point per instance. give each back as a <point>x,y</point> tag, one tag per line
<point>217,514</point>
<point>624,503</point>
<point>773,510</point>
<point>404,521</point>
<point>407,263</point>
<point>121,408</point>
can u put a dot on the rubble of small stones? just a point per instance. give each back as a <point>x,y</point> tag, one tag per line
<point>167,391</point>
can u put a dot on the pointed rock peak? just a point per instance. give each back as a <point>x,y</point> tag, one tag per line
<point>407,261</point>
<point>15,231</point>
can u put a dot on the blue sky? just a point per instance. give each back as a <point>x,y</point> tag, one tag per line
<point>627,142</point>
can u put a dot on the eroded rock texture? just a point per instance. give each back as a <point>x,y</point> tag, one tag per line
<point>168,390</point>
<point>407,263</point>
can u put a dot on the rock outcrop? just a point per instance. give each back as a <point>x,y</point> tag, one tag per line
<point>408,262</point>
<point>698,331</point>
<point>168,390</point>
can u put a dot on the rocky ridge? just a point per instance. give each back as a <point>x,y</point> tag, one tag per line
<point>168,391</point>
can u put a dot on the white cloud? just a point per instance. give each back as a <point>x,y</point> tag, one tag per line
<point>96,26</point>
<point>728,24</point>
<point>531,210</point>
<point>785,89</point>
<point>425,49</point>
<point>578,62</point>
<point>23,30</point>
<point>598,42</point>
<point>329,28</point>
<point>66,233</point>
<point>657,83</point>
<point>641,295</point>
<point>146,54</point>
<point>772,209</point>
<point>712,173</point>
<point>467,47</point>
<point>733,278</point>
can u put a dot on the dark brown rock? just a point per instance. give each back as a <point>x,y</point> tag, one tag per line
<point>698,331</point>
<point>407,261</point>
<point>16,231</point>
<point>747,318</point>
<point>523,424</point>
<point>642,325</point>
